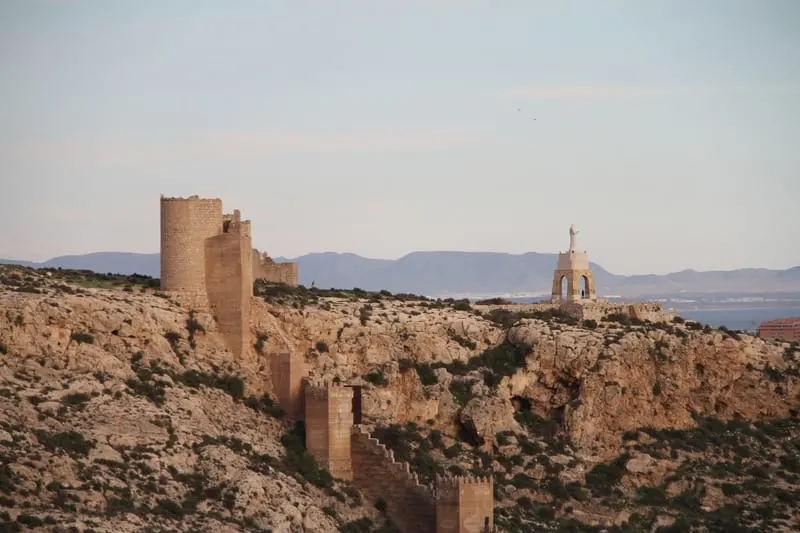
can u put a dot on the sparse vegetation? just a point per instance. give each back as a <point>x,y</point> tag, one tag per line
<point>82,337</point>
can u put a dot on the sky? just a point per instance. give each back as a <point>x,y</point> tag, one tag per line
<point>667,131</point>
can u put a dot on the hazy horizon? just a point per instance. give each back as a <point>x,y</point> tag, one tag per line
<point>665,131</point>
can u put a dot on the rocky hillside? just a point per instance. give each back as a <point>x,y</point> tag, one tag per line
<point>124,412</point>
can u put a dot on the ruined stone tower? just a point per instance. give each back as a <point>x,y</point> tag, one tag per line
<point>329,422</point>
<point>464,504</point>
<point>574,267</point>
<point>207,262</point>
<point>186,225</point>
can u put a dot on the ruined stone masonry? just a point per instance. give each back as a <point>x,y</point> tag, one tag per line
<point>207,262</point>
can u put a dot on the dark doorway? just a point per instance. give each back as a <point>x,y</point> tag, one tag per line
<point>356,404</point>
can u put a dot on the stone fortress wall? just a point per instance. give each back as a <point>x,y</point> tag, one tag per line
<point>348,451</point>
<point>410,505</point>
<point>264,267</point>
<point>208,262</point>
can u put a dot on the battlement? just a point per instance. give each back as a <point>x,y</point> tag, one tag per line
<point>266,268</point>
<point>451,481</point>
<point>371,446</point>
<point>192,198</point>
<point>325,389</point>
<point>464,504</point>
<point>409,503</point>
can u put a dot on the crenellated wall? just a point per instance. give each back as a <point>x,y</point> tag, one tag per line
<point>328,422</point>
<point>264,267</point>
<point>464,504</point>
<point>409,504</point>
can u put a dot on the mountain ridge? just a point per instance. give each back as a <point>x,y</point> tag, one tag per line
<point>441,273</point>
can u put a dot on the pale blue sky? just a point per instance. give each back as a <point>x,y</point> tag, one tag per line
<point>667,131</point>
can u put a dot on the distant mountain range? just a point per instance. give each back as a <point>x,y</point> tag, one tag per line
<point>465,273</point>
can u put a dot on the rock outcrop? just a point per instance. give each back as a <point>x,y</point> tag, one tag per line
<point>121,410</point>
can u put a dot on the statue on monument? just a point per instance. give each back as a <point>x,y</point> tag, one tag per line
<point>572,233</point>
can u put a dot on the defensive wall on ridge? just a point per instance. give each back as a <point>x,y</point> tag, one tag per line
<point>410,505</point>
<point>348,451</point>
<point>208,262</point>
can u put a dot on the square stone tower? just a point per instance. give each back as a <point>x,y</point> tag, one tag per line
<point>288,372</point>
<point>464,504</point>
<point>329,423</point>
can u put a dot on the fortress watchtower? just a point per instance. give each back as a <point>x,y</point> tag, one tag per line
<point>208,262</point>
<point>574,267</point>
<point>464,504</point>
<point>329,424</point>
<point>186,225</point>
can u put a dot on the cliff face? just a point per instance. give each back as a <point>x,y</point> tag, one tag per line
<point>622,378</point>
<point>122,410</point>
<point>119,412</point>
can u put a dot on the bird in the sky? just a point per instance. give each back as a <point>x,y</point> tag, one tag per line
<point>520,111</point>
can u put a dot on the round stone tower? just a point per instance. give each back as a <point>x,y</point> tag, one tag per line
<point>186,224</point>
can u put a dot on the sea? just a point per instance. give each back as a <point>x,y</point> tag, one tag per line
<point>743,319</point>
<point>734,311</point>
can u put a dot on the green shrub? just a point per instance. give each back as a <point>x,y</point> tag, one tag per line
<point>426,375</point>
<point>233,385</point>
<point>463,341</point>
<point>82,337</point>
<point>461,391</point>
<point>71,442</point>
<point>266,405</point>
<point>603,477</point>
<point>77,398</point>
<point>30,520</point>
<point>259,344</point>
<point>169,508</point>
<point>377,378</point>
<point>3,349</point>
<point>298,460</point>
